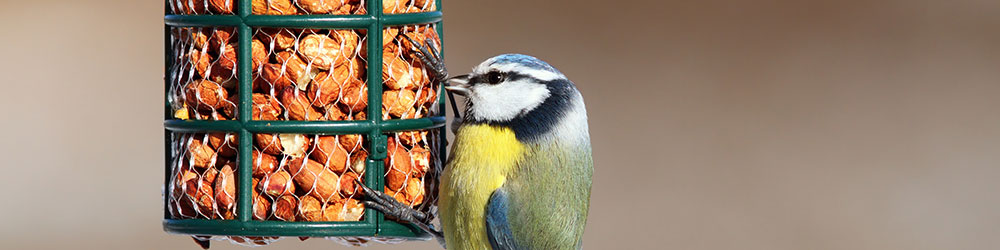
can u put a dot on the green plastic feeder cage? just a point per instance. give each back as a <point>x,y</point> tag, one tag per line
<point>262,109</point>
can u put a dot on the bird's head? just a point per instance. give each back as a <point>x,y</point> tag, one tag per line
<point>507,86</point>
<point>517,91</point>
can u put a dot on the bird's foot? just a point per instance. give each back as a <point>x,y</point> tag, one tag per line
<point>430,57</point>
<point>391,207</point>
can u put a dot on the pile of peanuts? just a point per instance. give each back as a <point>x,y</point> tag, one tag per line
<point>306,74</point>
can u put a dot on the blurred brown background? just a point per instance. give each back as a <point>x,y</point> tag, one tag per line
<point>715,124</point>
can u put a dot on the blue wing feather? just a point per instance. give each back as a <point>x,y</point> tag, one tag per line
<point>497,226</point>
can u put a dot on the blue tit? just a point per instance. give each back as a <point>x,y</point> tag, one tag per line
<point>519,172</point>
<point>520,168</point>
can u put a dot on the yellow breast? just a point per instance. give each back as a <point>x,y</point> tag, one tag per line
<point>480,159</point>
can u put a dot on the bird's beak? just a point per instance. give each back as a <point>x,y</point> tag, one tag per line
<point>458,85</point>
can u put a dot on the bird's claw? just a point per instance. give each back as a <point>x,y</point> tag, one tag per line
<point>390,206</point>
<point>430,57</point>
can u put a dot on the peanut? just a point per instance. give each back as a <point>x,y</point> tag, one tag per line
<point>352,211</point>
<point>221,37</point>
<point>295,69</point>
<point>397,166</point>
<point>285,207</point>
<point>277,39</point>
<point>329,153</point>
<point>200,61</point>
<point>421,160</point>
<point>333,112</point>
<point>226,144</point>
<point>315,179</point>
<point>318,6</point>
<point>227,57</point>
<point>350,142</point>
<point>297,106</point>
<point>389,34</point>
<point>332,212</point>
<point>263,163</point>
<point>205,205</point>
<point>393,6</point>
<point>267,143</point>
<point>278,183</point>
<point>355,96</point>
<point>348,187</point>
<point>325,88</point>
<point>257,53</point>
<point>222,6</point>
<point>206,95</point>
<point>397,74</point>
<point>398,102</point>
<point>411,138</point>
<point>321,51</point>
<point>273,7</point>
<point>273,79</point>
<point>348,41</point>
<point>225,192</point>
<point>265,107</point>
<point>200,155</point>
<point>310,209</point>
<point>294,145</point>
<point>261,206</point>
<point>358,161</point>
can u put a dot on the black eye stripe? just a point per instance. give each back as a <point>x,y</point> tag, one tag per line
<point>506,76</point>
<point>517,77</point>
<point>493,77</point>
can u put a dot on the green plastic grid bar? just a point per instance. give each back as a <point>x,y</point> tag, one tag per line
<point>374,223</point>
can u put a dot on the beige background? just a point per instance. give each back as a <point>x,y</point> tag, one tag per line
<point>715,124</point>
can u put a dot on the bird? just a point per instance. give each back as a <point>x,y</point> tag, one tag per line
<point>520,169</point>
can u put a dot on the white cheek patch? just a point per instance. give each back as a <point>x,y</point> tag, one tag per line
<point>503,102</point>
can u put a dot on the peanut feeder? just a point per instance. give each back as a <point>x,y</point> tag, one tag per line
<point>271,123</point>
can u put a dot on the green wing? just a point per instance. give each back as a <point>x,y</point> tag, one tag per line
<point>547,199</point>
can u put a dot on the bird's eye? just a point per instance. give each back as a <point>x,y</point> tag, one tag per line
<point>494,77</point>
